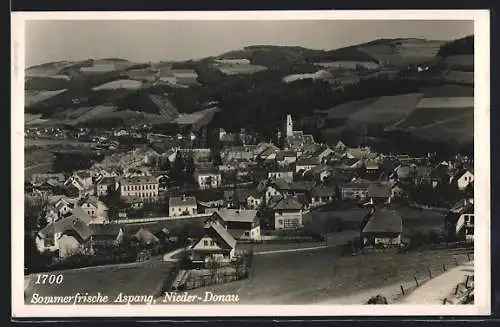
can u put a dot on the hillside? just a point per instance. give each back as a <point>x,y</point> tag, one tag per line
<point>257,86</point>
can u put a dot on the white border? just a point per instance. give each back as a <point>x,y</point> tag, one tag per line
<point>482,304</point>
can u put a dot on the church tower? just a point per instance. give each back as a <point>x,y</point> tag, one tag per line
<point>289,126</point>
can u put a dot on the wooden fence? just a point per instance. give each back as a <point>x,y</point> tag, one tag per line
<point>408,287</point>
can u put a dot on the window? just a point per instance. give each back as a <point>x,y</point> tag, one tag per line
<point>92,212</point>
<point>212,243</point>
<point>205,242</point>
<point>280,221</point>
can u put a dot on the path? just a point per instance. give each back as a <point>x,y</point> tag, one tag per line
<point>436,289</point>
<point>292,250</point>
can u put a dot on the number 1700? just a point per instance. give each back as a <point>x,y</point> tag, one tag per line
<point>49,279</point>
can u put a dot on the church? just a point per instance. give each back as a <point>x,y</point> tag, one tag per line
<point>294,140</point>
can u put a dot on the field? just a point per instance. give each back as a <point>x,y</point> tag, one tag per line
<point>448,90</point>
<point>240,69</point>
<point>460,129</point>
<point>34,97</point>
<point>425,116</point>
<point>320,275</point>
<point>347,109</point>
<point>119,84</point>
<point>386,110</point>
<point>135,278</point>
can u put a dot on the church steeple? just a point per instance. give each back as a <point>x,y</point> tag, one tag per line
<point>289,126</point>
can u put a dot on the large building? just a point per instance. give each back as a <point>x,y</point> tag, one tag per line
<point>144,187</point>
<point>181,206</point>
<point>383,228</point>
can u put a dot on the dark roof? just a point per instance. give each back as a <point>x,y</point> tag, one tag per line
<point>307,161</point>
<point>378,190</point>
<point>182,201</point>
<point>323,191</point>
<point>80,228</point>
<point>301,185</point>
<point>384,221</point>
<point>463,206</point>
<point>281,184</point>
<point>138,180</point>
<point>107,180</point>
<point>75,221</point>
<point>288,203</point>
<point>106,229</point>
<point>356,185</point>
<point>222,232</point>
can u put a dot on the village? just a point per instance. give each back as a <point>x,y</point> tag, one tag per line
<point>174,198</point>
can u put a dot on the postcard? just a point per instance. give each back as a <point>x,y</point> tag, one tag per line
<point>212,164</point>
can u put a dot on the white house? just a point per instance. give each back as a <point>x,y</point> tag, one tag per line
<point>281,173</point>
<point>145,187</point>
<point>254,200</point>
<point>180,206</point>
<point>288,214</point>
<point>241,224</point>
<point>306,164</point>
<point>208,178</point>
<point>215,244</point>
<point>94,208</point>
<point>463,179</point>
<point>104,185</point>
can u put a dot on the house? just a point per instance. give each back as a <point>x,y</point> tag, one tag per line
<point>282,172</point>
<point>145,237</point>
<point>304,164</point>
<point>236,198</point>
<point>108,234</point>
<point>286,158</point>
<point>288,213</point>
<point>40,178</point>
<point>350,164</point>
<point>269,153</point>
<point>383,228</point>
<point>182,206</point>
<point>82,180</point>
<point>94,208</point>
<point>324,154</point>
<point>354,191</point>
<point>216,244</point>
<point>322,195</point>
<point>134,201</point>
<point>144,187</point>
<point>210,198</point>
<point>254,199</point>
<point>241,224</point>
<point>207,178</point>
<point>320,173</point>
<point>296,187</point>
<point>372,168</point>
<point>105,185</point>
<point>379,192</point>
<point>358,153</point>
<point>459,221</point>
<point>340,146</point>
<point>462,179</point>
<point>403,173</point>
<point>62,205</point>
<point>277,188</point>
<point>73,227</point>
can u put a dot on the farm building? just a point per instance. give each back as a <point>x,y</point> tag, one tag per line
<point>384,228</point>
<point>215,244</point>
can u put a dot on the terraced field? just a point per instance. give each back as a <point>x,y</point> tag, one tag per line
<point>424,116</point>
<point>386,110</point>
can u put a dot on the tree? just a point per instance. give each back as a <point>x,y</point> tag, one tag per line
<point>165,165</point>
<point>190,168</point>
<point>216,159</point>
<point>178,168</point>
<point>35,210</point>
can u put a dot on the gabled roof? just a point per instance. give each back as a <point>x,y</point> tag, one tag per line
<point>73,221</point>
<point>403,171</point>
<point>323,191</point>
<point>79,228</point>
<point>463,206</point>
<point>237,215</point>
<point>384,221</point>
<point>301,185</point>
<point>378,190</point>
<point>182,201</point>
<point>372,165</point>
<point>288,203</point>
<point>281,184</point>
<point>222,233</point>
<point>307,161</point>
<point>138,180</point>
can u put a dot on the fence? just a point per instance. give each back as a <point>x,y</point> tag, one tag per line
<point>212,279</point>
<point>408,287</point>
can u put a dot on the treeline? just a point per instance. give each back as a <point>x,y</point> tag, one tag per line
<point>67,162</point>
<point>463,46</point>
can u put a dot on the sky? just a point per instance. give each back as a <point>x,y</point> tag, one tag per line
<point>146,40</point>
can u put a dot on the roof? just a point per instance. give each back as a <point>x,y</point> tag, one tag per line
<point>105,229</point>
<point>384,221</point>
<point>237,215</point>
<point>80,228</point>
<point>288,203</point>
<point>89,199</point>
<point>301,185</point>
<point>107,180</point>
<point>281,155</point>
<point>83,174</point>
<point>378,190</point>
<point>323,191</point>
<point>356,185</point>
<point>307,161</point>
<point>139,180</point>
<point>145,236</point>
<point>359,153</point>
<point>71,222</point>
<point>207,171</point>
<point>281,184</point>
<point>372,164</point>
<point>223,233</point>
<point>182,201</point>
<point>403,171</point>
<point>463,206</point>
